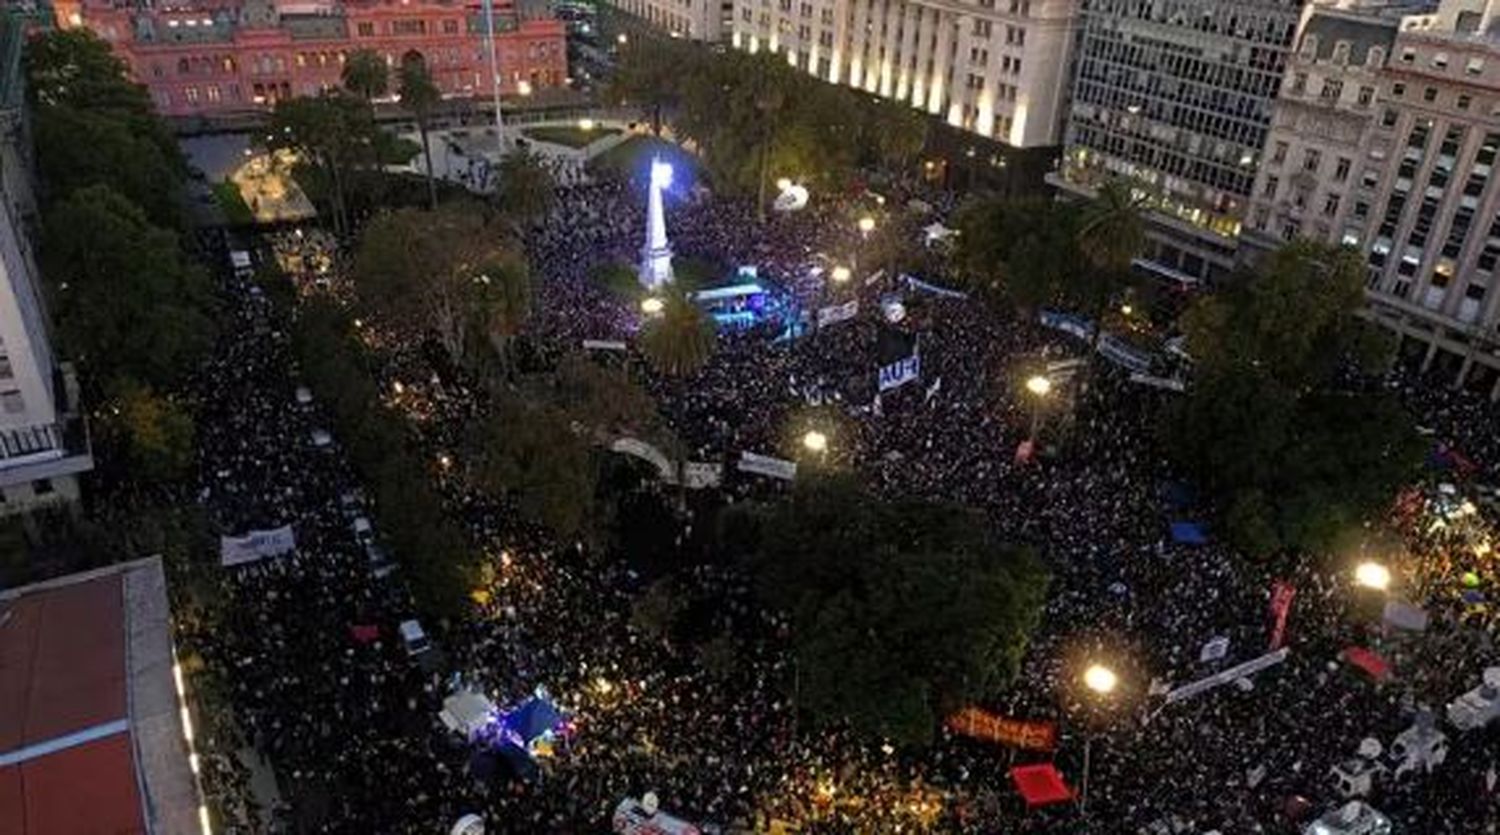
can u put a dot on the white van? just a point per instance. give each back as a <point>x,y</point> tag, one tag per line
<point>414,638</point>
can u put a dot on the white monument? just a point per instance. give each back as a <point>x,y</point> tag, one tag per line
<point>656,253</point>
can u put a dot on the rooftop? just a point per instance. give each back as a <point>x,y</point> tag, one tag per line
<point>91,738</point>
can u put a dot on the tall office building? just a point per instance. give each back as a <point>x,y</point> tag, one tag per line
<point>43,445</point>
<point>1386,140</point>
<point>997,68</point>
<point>1178,94</point>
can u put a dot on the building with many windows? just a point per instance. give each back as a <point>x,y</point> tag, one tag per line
<point>1178,94</point>
<point>206,56</point>
<point>43,443</point>
<point>1386,141</point>
<point>697,20</point>
<point>994,67</point>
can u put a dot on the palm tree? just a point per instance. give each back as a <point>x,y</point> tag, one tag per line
<point>680,340</point>
<point>365,74</point>
<point>421,96</point>
<point>1112,233</point>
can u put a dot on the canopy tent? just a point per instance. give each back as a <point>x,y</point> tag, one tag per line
<point>1189,533</point>
<point>1041,784</point>
<point>467,712</point>
<point>533,718</point>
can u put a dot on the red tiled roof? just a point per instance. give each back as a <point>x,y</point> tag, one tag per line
<point>63,672</point>
<point>89,789</point>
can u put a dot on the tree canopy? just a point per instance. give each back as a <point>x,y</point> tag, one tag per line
<point>901,612</point>
<point>680,340</point>
<point>1274,424</point>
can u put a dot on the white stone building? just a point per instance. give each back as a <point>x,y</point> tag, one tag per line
<point>697,20</point>
<point>998,68</point>
<point>1386,140</point>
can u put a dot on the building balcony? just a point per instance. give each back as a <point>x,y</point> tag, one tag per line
<point>47,451</point>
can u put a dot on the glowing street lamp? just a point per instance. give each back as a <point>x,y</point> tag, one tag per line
<point>1373,575</point>
<point>622,39</point>
<point>783,183</point>
<point>585,124</point>
<point>1039,385</point>
<point>815,441</point>
<point>652,306</point>
<point>1101,681</point>
<point>523,87</point>
<point>840,274</point>
<point>1126,310</point>
<point>866,225</point>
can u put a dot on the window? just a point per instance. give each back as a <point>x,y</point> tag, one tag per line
<point>450,27</point>
<point>1388,118</point>
<point>1331,205</point>
<point>1408,55</point>
<point>12,402</point>
<point>1332,89</point>
<point>1475,292</point>
<point>982,28</point>
<point>1366,95</point>
<point>1440,60</point>
<point>1341,169</point>
<point>1429,94</point>
<point>1475,66</point>
<point>367,30</point>
<point>408,27</point>
<point>1299,83</point>
<point>1464,101</point>
<point>1278,156</point>
<point>1398,89</point>
<point>6,372</point>
<point>1311,159</point>
<point>1270,188</point>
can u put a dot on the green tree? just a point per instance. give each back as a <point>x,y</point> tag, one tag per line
<point>427,269</point>
<point>1295,457</point>
<point>502,301</point>
<point>1023,251</point>
<point>154,433</point>
<point>126,302</point>
<point>334,134</point>
<point>680,340</point>
<point>649,76</point>
<point>1112,231</point>
<point>420,95</point>
<point>900,612</point>
<point>365,74</point>
<point>525,190</point>
<point>530,451</point>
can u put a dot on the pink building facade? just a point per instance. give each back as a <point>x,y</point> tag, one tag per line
<point>203,57</point>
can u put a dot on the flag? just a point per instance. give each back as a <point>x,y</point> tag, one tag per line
<point>1282,593</point>
<point>900,361</point>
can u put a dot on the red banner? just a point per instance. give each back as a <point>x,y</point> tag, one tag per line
<point>1282,593</point>
<point>1017,733</point>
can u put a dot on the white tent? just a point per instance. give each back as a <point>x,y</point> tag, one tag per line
<point>466,712</point>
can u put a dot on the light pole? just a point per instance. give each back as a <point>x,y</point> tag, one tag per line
<point>1372,575</point>
<point>1040,387</point>
<point>1101,681</point>
<point>489,21</point>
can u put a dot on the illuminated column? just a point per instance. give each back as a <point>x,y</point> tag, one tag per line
<point>943,60</point>
<point>924,52</point>
<point>907,50</point>
<point>656,253</point>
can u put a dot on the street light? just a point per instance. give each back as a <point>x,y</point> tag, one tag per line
<point>523,87</point>
<point>866,225</point>
<point>1101,681</point>
<point>622,39</point>
<point>1039,385</point>
<point>652,306</point>
<point>585,124</point>
<point>840,274</point>
<point>815,441</point>
<point>783,183</point>
<point>1373,575</point>
<point>1126,309</point>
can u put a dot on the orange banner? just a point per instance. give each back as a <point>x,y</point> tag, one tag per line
<point>1017,733</point>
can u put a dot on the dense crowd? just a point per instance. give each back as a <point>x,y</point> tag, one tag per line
<point>350,725</point>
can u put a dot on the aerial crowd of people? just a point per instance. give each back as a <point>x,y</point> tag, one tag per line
<point>348,719</point>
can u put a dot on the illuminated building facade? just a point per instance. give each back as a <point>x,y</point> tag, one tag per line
<point>1178,94</point>
<point>994,67</point>
<point>207,56</point>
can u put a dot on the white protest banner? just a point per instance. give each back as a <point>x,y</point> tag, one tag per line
<point>833,314</point>
<point>874,277</point>
<point>603,345</point>
<point>1239,671</point>
<point>255,545</point>
<point>697,475</point>
<point>767,466</point>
